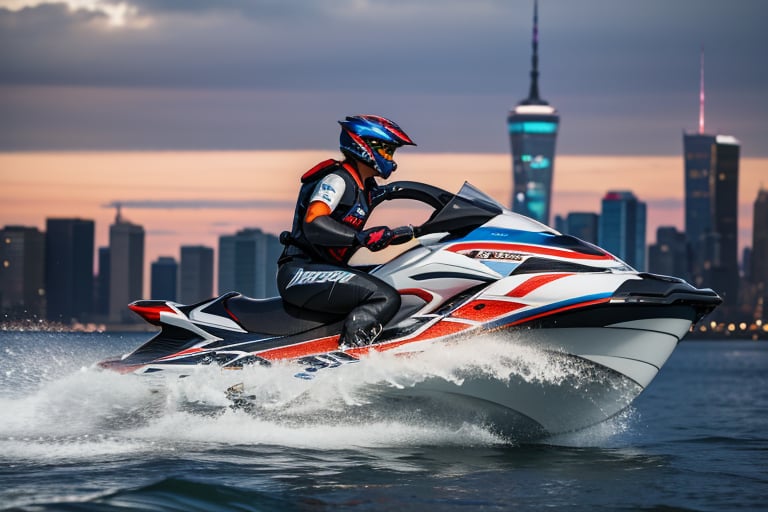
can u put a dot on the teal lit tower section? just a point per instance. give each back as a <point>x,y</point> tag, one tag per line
<point>533,125</point>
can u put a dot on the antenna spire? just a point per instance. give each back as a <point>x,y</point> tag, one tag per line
<point>701,93</point>
<point>533,96</point>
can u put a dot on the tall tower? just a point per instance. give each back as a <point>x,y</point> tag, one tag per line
<point>533,125</point>
<point>711,206</point>
<point>126,268</point>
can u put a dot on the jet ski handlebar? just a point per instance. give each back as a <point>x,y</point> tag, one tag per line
<point>435,197</point>
<point>454,213</point>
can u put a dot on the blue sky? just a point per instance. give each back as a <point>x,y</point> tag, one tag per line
<point>277,74</point>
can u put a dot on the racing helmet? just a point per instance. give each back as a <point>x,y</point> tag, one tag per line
<point>373,140</point>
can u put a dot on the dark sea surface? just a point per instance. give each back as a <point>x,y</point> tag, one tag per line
<point>76,438</point>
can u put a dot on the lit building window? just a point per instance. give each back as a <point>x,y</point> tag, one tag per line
<point>532,127</point>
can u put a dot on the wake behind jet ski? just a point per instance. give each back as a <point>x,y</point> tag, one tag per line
<point>475,268</point>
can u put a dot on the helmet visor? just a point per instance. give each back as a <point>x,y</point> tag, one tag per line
<point>382,149</point>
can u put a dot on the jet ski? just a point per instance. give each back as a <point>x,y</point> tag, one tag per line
<point>475,268</point>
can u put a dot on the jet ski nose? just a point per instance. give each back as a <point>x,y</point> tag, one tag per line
<point>658,289</point>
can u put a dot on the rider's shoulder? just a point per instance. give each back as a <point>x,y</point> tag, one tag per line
<point>321,170</point>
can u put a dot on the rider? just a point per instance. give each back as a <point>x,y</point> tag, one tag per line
<point>335,200</point>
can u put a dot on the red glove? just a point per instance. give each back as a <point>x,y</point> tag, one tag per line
<point>380,237</point>
<point>375,239</point>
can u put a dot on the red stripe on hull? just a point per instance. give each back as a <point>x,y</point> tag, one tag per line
<point>484,310</point>
<point>532,249</point>
<point>331,344</point>
<point>533,283</point>
<point>438,330</point>
<point>309,348</point>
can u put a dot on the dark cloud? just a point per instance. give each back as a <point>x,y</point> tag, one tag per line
<point>231,46</point>
<point>265,9</point>
<point>245,74</point>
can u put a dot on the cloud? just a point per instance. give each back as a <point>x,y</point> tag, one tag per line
<point>666,203</point>
<point>162,232</point>
<point>215,204</point>
<point>273,45</point>
<point>624,75</point>
<point>198,204</point>
<point>447,46</point>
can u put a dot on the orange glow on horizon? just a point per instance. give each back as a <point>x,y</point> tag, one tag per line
<point>36,186</point>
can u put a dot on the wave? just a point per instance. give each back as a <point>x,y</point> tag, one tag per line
<point>80,412</point>
<point>176,494</point>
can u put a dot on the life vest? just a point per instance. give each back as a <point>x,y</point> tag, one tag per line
<point>353,211</point>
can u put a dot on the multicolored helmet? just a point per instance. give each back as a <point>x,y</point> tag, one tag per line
<point>373,140</point>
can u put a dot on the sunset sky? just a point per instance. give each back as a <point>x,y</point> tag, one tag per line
<point>200,115</point>
<point>193,197</point>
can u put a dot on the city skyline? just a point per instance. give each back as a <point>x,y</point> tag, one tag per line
<point>648,182</point>
<point>621,236</point>
<point>190,198</point>
<point>257,189</point>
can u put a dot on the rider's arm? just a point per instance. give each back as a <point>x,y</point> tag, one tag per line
<point>319,227</point>
<point>379,194</point>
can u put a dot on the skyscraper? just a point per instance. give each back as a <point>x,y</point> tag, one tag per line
<point>711,204</point>
<point>101,307</point>
<point>532,126</point>
<point>195,274</point>
<point>759,270</point>
<point>69,269</point>
<point>126,266</point>
<point>583,225</point>
<point>164,278</point>
<point>22,272</point>
<point>669,255</point>
<point>248,263</point>
<point>622,227</point>
<point>711,207</point>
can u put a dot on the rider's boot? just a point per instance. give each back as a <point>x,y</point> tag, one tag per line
<point>360,329</point>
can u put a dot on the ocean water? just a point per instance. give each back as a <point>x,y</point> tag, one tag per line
<point>76,438</point>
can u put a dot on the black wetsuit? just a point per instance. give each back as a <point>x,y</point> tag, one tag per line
<point>313,271</point>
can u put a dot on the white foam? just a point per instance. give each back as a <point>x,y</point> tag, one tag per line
<point>91,413</point>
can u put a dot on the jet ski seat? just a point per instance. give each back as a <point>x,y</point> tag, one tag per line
<point>275,317</point>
